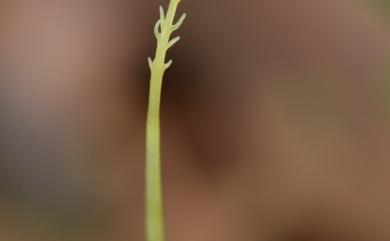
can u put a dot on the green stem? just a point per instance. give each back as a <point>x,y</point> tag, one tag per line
<point>154,209</point>
<point>154,204</point>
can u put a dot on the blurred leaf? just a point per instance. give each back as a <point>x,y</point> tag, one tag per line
<point>385,4</point>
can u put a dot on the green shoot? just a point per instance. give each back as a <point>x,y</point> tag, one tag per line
<point>163,30</point>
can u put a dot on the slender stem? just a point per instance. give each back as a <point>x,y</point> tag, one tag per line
<point>154,203</point>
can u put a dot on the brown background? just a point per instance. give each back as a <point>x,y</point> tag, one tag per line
<point>275,120</point>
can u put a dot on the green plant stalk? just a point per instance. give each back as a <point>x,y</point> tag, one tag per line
<point>154,219</point>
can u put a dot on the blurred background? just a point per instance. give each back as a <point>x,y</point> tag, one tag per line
<point>275,120</point>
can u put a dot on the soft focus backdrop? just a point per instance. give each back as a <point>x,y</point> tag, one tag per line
<point>276,120</point>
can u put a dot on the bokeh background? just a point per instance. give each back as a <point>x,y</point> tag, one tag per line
<point>276,120</point>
